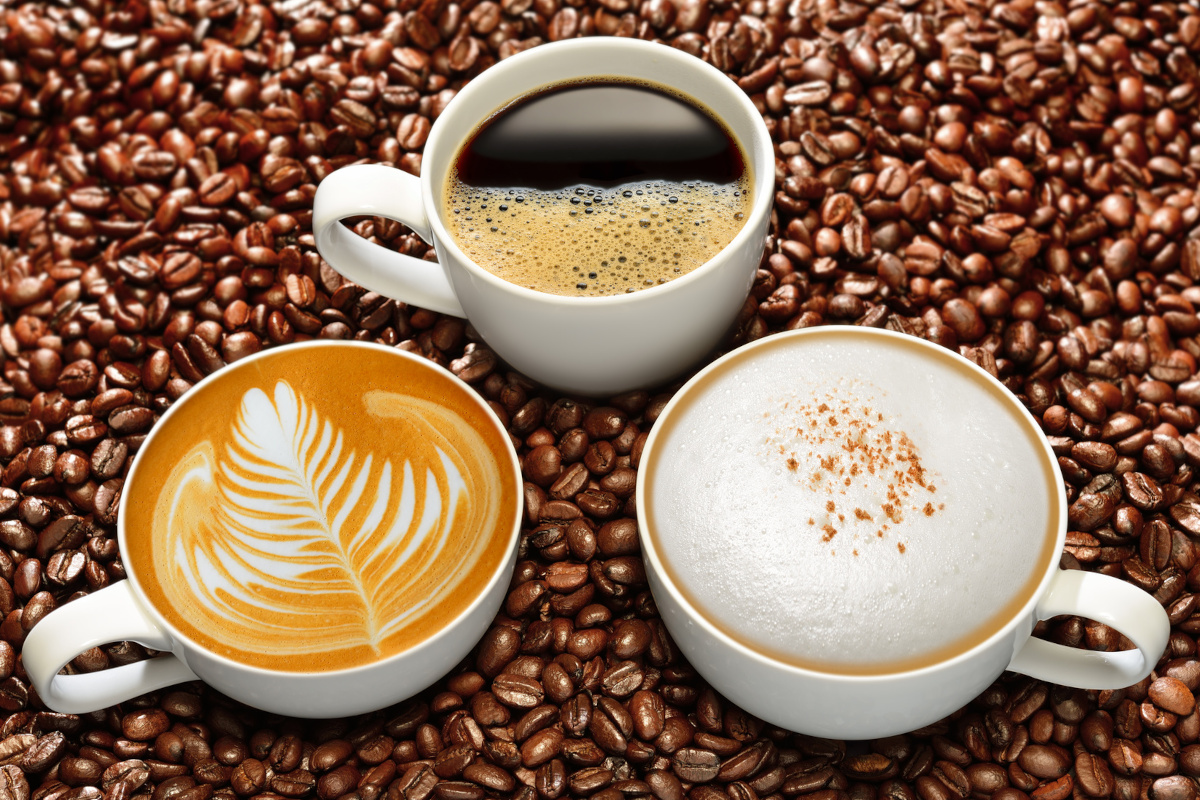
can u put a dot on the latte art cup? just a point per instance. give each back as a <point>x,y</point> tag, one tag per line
<point>869,542</point>
<point>374,518</point>
<point>587,345</point>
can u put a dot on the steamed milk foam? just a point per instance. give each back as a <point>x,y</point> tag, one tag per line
<point>314,511</point>
<point>835,504</point>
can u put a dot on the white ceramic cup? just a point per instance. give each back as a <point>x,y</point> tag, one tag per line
<point>589,345</point>
<point>122,612</point>
<point>865,706</point>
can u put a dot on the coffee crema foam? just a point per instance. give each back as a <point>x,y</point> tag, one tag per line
<point>888,527</point>
<point>590,242</point>
<point>348,510</point>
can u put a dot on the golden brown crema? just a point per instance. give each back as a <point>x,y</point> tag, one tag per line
<point>314,511</point>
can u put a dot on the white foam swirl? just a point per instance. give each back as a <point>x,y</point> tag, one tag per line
<point>304,534</point>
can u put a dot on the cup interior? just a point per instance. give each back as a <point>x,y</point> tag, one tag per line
<point>310,510</point>
<point>592,59</point>
<point>892,527</point>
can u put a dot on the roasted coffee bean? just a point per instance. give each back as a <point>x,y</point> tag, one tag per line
<point>451,761</point>
<point>1044,761</point>
<point>1172,695</point>
<point>331,754</point>
<point>75,771</point>
<point>142,726</point>
<point>517,691</point>
<point>695,764</point>
<point>986,779</point>
<point>1173,787</point>
<point>489,776</point>
<point>499,646</point>
<point>248,777</point>
<point>13,783</point>
<point>33,753</point>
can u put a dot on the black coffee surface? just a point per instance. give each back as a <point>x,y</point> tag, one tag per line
<point>601,135</point>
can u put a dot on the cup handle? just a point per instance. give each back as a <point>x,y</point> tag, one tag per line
<point>112,614</point>
<point>1105,599</point>
<point>384,192</point>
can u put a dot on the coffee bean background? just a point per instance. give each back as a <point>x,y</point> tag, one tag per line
<point>1015,181</point>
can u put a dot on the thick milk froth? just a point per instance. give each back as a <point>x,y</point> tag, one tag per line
<point>888,527</point>
<point>307,530</point>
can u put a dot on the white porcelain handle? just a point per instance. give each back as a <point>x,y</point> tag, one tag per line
<point>112,614</point>
<point>384,192</point>
<point>1113,602</point>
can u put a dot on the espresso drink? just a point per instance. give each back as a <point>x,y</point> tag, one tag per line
<point>597,188</point>
<point>311,511</point>
<point>889,526</point>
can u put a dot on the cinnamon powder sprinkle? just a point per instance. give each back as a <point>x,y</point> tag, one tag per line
<point>859,449</point>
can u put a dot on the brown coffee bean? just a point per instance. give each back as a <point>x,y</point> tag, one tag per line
<point>604,422</point>
<point>37,754</point>
<point>217,189</point>
<point>451,761</point>
<point>1044,761</point>
<point>13,783</point>
<point>143,726</point>
<point>331,754</point>
<point>248,777</point>
<point>338,782</point>
<point>499,646</point>
<point>1093,775</point>
<point>1144,492</point>
<point>79,771</point>
<point>695,765</point>
<point>1173,787</point>
<point>516,691</point>
<point>618,537</point>
<point>1172,695</point>
<point>541,747</point>
<point>812,93</point>
<point>78,378</point>
<point>1124,758</point>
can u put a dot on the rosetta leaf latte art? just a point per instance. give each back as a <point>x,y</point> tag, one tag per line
<point>305,533</point>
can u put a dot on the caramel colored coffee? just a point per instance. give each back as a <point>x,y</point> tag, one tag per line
<point>597,188</point>
<point>319,509</point>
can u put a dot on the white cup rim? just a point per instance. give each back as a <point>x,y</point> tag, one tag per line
<point>759,154</point>
<point>501,572</point>
<point>650,551</point>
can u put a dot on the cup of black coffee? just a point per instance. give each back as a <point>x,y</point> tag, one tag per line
<point>598,208</point>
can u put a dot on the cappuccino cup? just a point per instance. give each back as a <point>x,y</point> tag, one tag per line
<point>587,344</point>
<point>851,533</point>
<point>316,530</point>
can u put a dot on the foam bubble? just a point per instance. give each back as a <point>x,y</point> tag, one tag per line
<point>647,234</point>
